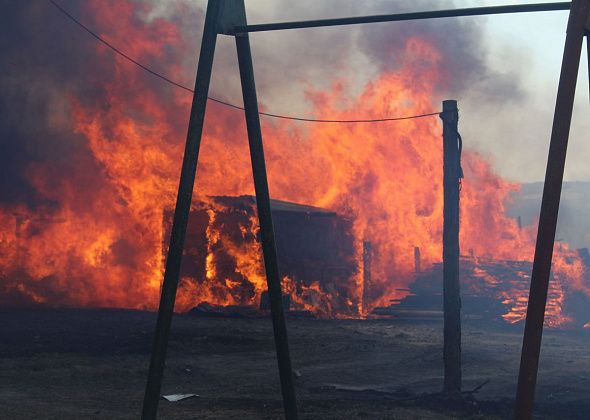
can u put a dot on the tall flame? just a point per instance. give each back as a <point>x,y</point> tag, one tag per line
<point>102,246</point>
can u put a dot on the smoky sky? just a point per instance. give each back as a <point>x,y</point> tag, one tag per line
<point>47,59</point>
<point>41,65</point>
<point>460,42</point>
<point>288,62</point>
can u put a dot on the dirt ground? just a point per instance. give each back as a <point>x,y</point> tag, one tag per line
<point>73,364</point>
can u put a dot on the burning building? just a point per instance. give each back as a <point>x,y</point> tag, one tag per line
<point>82,216</point>
<point>223,265</point>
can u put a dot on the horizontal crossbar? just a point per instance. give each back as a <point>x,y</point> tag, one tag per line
<point>472,11</point>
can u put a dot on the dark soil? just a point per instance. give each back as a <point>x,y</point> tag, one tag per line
<point>73,364</point>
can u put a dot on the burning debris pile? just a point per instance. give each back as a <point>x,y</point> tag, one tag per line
<point>495,290</point>
<point>223,266</point>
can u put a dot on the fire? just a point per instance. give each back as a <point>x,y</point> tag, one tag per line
<point>308,298</point>
<point>102,245</point>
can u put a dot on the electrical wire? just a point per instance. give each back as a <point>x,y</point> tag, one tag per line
<point>219,101</point>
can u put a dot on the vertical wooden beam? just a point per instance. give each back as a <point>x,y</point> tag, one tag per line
<point>451,287</point>
<point>18,223</point>
<point>533,330</point>
<point>181,213</point>
<point>265,217</point>
<point>417,260</point>
<point>367,259</point>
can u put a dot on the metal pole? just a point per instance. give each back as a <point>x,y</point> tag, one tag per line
<point>533,330</point>
<point>588,54</point>
<point>181,213</point>
<point>266,226</point>
<point>451,287</point>
<point>434,14</point>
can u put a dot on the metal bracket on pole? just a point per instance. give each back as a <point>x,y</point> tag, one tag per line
<point>233,14</point>
<point>533,330</point>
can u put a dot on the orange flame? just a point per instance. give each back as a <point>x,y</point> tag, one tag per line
<point>105,248</point>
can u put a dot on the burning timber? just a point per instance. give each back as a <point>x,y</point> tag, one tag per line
<point>494,290</point>
<point>321,262</point>
<point>223,266</point>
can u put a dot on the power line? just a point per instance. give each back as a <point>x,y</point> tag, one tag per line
<point>219,101</point>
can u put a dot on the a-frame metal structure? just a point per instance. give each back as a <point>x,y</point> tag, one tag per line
<point>221,17</point>
<point>578,26</point>
<point>228,17</point>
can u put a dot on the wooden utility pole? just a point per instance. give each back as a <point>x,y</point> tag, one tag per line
<point>533,330</point>
<point>452,175</point>
<point>417,258</point>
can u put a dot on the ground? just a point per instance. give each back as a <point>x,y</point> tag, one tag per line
<point>72,364</point>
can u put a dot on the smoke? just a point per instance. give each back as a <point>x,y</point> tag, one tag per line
<point>98,141</point>
<point>48,59</point>
<point>463,51</point>
<point>290,63</point>
<point>42,65</point>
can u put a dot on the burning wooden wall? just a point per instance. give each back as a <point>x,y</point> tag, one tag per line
<point>223,261</point>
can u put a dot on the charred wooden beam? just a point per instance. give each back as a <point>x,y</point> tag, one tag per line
<point>533,330</point>
<point>451,290</point>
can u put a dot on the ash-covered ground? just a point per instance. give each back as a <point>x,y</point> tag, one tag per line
<point>72,364</point>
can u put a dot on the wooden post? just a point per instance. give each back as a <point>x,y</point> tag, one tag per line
<point>267,235</point>
<point>181,213</point>
<point>367,259</point>
<point>18,221</point>
<point>417,262</point>
<point>533,330</point>
<point>451,288</point>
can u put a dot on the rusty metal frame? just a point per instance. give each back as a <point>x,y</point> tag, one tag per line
<point>228,17</point>
<point>533,330</point>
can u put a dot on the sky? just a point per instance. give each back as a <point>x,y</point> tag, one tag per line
<point>540,37</point>
<point>522,50</point>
